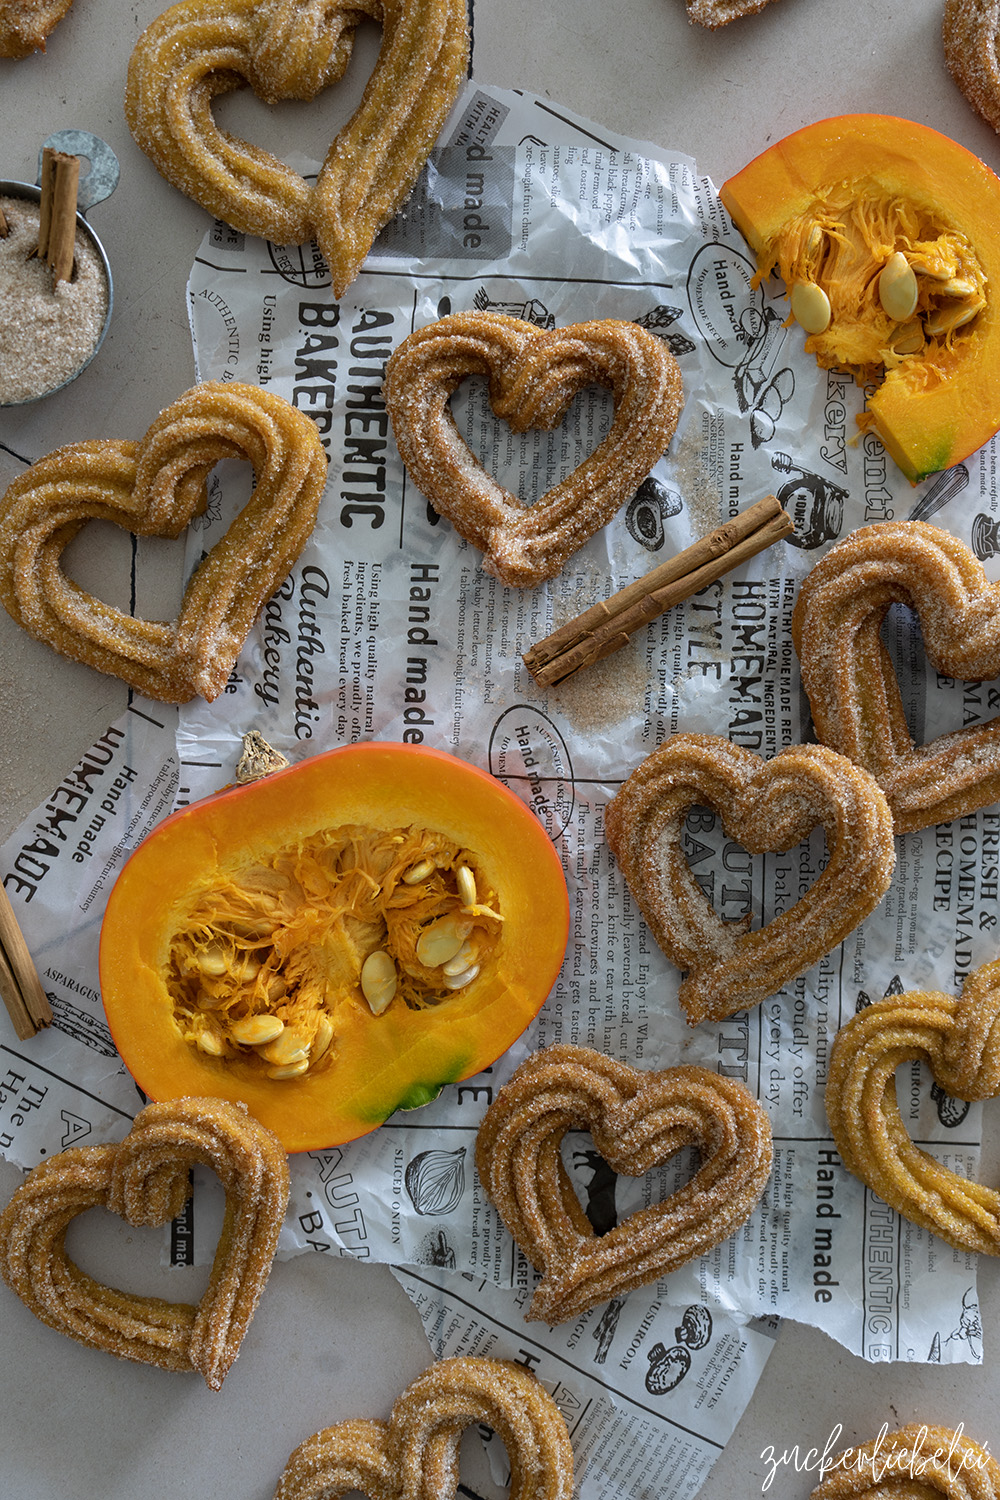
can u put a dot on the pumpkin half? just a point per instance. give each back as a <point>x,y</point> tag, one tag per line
<point>887,237</point>
<point>334,942</point>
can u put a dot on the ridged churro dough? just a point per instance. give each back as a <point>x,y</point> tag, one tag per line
<point>971,32</point>
<point>292,49</point>
<point>414,1456</point>
<point>959,1040</point>
<point>145,1179</point>
<point>850,678</point>
<point>533,376</point>
<point>716,13</point>
<point>25,24</point>
<point>637,1119</point>
<point>765,805</point>
<point>154,488</point>
<point>919,1462</point>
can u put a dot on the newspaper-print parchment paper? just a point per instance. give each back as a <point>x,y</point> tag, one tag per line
<point>67,1086</point>
<point>388,628</point>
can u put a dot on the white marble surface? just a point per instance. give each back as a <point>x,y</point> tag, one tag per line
<point>77,1423</point>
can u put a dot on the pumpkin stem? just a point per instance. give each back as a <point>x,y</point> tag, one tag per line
<point>258,760</point>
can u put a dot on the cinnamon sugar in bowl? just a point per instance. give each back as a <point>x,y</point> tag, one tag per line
<point>55,307</point>
<point>49,332</point>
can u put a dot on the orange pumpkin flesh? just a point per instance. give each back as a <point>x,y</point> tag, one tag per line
<point>377,1063</point>
<point>914,191</point>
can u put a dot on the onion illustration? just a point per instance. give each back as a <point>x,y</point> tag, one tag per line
<point>435,1181</point>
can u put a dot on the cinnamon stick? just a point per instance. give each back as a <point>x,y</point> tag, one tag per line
<point>20,987</point>
<point>45,201</point>
<point>57,211</point>
<point>4,230</point>
<point>606,627</point>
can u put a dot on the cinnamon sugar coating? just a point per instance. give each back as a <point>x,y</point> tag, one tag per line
<point>970,31</point>
<point>959,1040</point>
<point>850,678</point>
<point>414,1456</point>
<point>533,375</point>
<point>764,805</point>
<point>25,24</point>
<point>637,1119</point>
<point>154,488</point>
<point>293,49</point>
<point>918,1462</point>
<point>145,1179</point>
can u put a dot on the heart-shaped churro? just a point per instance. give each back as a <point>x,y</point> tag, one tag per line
<point>716,13</point>
<point>146,1180</point>
<point>154,488</point>
<point>292,49</point>
<point>637,1120</point>
<point>970,30</point>
<point>414,1456</point>
<point>765,805</point>
<point>533,375</point>
<point>25,24</point>
<point>919,1462</point>
<point>959,1040</point>
<point>850,678</point>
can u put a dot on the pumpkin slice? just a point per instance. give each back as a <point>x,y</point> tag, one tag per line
<point>334,942</point>
<point>887,237</point>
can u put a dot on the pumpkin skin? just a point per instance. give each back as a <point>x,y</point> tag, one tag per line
<point>882,157</point>
<point>399,1059</point>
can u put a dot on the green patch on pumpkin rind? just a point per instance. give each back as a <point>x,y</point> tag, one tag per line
<point>415,1095</point>
<point>934,452</point>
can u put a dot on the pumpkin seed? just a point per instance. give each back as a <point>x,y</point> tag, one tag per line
<point>464,958</point>
<point>378,980</point>
<point>289,1070</point>
<point>254,929</point>
<point>211,1042</point>
<point>909,339</point>
<point>253,1031</point>
<point>290,1047</point>
<point>321,1041</point>
<point>897,288</point>
<point>814,243</point>
<point>810,307</point>
<point>416,873</point>
<point>945,320</point>
<point>212,961</point>
<point>442,940</point>
<point>459,981</point>
<point>936,267</point>
<point>466,882</point>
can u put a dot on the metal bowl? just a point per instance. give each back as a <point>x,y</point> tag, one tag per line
<point>98,183</point>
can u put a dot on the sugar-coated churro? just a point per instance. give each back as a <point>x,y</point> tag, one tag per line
<point>959,1040</point>
<point>850,677</point>
<point>534,374</point>
<point>25,24</point>
<point>145,1179</point>
<point>637,1119</point>
<point>292,49</point>
<point>716,13</point>
<point>154,488</point>
<point>414,1456</point>
<point>921,1460</point>
<point>970,30</point>
<point>766,805</point>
